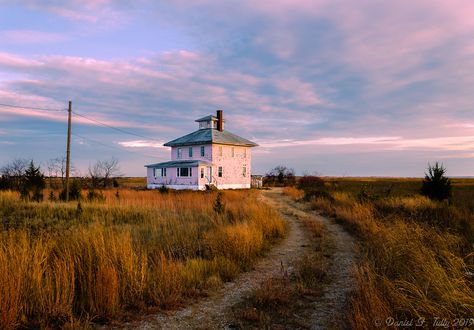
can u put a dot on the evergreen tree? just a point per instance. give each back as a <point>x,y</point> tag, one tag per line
<point>436,185</point>
<point>34,182</point>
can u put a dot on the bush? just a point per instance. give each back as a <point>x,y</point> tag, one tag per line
<point>93,195</point>
<point>163,189</point>
<point>436,185</point>
<point>308,182</point>
<point>219,206</point>
<point>313,187</point>
<point>74,191</point>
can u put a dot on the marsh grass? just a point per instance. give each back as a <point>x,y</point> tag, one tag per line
<point>294,193</point>
<point>415,254</point>
<point>62,265</point>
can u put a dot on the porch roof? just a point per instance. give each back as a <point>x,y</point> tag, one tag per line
<point>179,163</point>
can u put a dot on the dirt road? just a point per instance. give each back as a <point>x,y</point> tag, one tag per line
<point>214,311</point>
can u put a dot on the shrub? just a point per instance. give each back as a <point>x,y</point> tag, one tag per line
<point>313,187</point>
<point>293,193</point>
<point>436,185</point>
<point>219,206</point>
<point>74,191</point>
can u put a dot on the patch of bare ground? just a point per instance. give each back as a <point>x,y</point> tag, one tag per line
<point>303,282</point>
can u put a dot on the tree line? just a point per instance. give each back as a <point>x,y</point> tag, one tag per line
<point>436,185</point>
<point>28,178</point>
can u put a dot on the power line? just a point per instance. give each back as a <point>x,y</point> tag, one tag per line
<point>114,128</point>
<point>80,115</point>
<point>92,120</point>
<point>32,108</point>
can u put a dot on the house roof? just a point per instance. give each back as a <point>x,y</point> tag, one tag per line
<point>209,135</point>
<point>207,118</point>
<point>179,163</point>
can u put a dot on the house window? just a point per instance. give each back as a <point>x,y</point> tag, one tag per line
<point>179,153</point>
<point>245,152</point>
<point>202,172</point>
<point>233,152</point>
<point>159,172</point>
<point>244,170</point>
<point>220,151</point>
<point>183,171</point>
<point>220,172</point>
<point>190,152</point>
<point>202,151</point>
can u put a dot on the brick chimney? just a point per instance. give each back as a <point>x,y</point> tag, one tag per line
<point>220,120</point>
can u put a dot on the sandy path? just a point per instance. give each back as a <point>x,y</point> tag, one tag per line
<point>330,308</point>
<point>214,312</point>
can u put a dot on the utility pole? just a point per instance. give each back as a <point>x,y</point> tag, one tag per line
<point>68,153</point>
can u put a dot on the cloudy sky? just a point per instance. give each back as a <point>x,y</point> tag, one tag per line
<point>338,87</point>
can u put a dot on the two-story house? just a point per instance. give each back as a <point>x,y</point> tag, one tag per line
<point>210,156</point>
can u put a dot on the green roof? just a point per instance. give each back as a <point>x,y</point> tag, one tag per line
<point>207,118</point>
<point>210,135</point>
<point>179,163</point>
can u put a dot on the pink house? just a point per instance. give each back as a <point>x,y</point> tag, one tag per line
<point>209,156</point>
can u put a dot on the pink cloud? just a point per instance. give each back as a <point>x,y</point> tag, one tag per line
<point>143,144</point>
<point>14,61</point>
<point>103,13</point>
<point>448,143</point>
<point>30,37</point>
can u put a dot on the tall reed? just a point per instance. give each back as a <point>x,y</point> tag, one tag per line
<point>61,262</point>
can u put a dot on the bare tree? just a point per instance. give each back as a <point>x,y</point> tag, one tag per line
<point>95,174</point>
<point>280,175</point>
<point>110,169</point>
<point>103,170</point>
<point>57,168</point>
<point>13,173</point>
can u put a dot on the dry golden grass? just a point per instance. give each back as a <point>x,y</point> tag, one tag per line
<point>294,193</point>
<point>64,264</point>
<point>415,256</point>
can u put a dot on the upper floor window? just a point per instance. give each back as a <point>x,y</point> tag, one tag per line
<point>202,151</point>
<point>183,171</point>
<point>245,152</point>
<point>179,153</point>
<point>233,152</point>
<point>190,152</point>
<point>220,151</point>
<point>220,172</point>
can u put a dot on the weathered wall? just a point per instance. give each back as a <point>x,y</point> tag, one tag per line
<point>171,177</point>
<point>196,153</point>
<point>231,165</point>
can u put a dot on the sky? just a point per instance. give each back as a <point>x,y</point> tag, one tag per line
<point>338,88</point>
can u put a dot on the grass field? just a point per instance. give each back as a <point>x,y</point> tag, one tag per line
<point>64,265</point>
<point>125,251</point>
<point>416,256</point>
